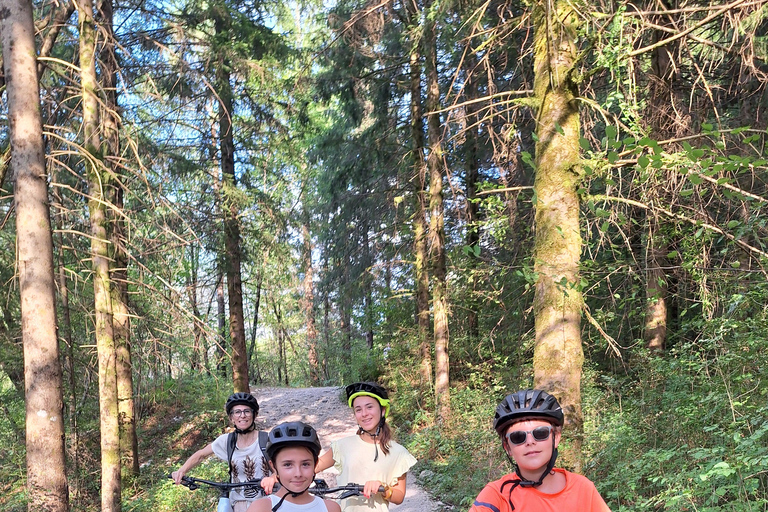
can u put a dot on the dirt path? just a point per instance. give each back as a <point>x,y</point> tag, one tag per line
<point>324,409</point>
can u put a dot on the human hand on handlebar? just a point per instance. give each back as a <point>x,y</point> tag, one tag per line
<point>372,487</point>
<point>177,476</point>
<point>267,483</point>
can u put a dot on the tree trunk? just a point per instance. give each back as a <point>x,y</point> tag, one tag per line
<point>129,445</point>
<point>421,272</point>
<point>253,352</point>
<point>655,328</point>
<point>558,354</point>
<point>65,328</point>
<point>221,314</point>
<point>239,357</point>
<point>308,303</point>
<point>436,225</point>
<point>99,183</point>
<point>472,177</point>
<point>367,282</point>
<point>666,115</point>
<point>345,313</point>
<point>46,466</point>
<point>191,285</point>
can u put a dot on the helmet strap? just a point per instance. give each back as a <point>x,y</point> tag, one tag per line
<point>250,428</point>
<point>523,482</point>
<point>293,494</point>
<point>361,431</point>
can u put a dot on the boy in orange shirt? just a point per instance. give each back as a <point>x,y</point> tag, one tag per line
<point>529,423</point>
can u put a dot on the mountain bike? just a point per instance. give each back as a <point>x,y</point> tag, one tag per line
<point>320,488</point>
<point>223,487</point>
<point>339,492</point>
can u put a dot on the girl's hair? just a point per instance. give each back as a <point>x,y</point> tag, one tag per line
<point>384,438</point>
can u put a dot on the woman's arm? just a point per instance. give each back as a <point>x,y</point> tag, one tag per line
<point>194,459</point>
<point>397,492</point>
<point>325,461</point>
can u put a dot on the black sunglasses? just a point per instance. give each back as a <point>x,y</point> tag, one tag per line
<point>520,436</point>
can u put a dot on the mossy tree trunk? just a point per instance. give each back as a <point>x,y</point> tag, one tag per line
<point>99,185</point>
<point>421,272</point>
<point>46,476</point>
<point>436,223</point>
<point>558,355</point>
<point>110,119</point>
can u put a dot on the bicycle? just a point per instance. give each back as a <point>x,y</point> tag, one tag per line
<point>319,488</point>
<point>223,505</point>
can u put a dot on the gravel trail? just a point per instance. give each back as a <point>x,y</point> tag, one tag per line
<point>325,410</point>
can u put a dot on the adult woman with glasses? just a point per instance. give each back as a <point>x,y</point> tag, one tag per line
<point>529,423</point>
<point>240,449</point>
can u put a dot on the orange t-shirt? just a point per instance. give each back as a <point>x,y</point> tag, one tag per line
<point>579,495</point>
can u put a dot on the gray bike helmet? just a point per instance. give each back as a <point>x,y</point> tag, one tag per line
<point>241,398</point>
<point>292,433</point>
<point>527,403</point>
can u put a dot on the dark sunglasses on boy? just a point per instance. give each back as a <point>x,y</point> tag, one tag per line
<point>520,436</point>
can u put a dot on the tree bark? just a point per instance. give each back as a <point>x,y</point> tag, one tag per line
<point>191,285</point>
<point>239,356</point>
<point>99,183</point>
<point>129,444</point>
<point>472,177</point>
<point>65,330</point>
<point>436,225</point>
<point>667,117</point>
<point>308,303</point>
<point>558,354</point>
<point>367,283</point>
<point>421,269</point>
<point>221,314</point>
<point>253,352</point>
<point>46,466</point>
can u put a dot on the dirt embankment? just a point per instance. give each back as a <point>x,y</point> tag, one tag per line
<point>324,409</point>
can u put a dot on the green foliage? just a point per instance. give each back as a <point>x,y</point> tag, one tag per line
<point>187,414</point>
<point>691,433</point>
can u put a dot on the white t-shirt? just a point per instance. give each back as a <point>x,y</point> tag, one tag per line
<point>316,505</point>
<point>354,459</point>
<point>248,463</point>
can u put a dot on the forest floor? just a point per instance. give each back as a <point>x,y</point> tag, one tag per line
<point>324,409</point>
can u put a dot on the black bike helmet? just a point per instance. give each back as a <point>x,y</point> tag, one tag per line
<point>528,403</point>
<point>241,398</point>
<point>292,433</point>
<point>371,389</point>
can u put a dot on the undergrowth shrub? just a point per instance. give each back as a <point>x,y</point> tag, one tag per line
<point>689,432</point>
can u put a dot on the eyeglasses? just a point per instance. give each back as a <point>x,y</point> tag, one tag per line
<point>242,412</point>
<point>520,436</point>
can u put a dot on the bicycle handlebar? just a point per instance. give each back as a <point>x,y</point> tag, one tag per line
<point>346,491</point>
<point>320,488</point>
<point>224,487</point>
